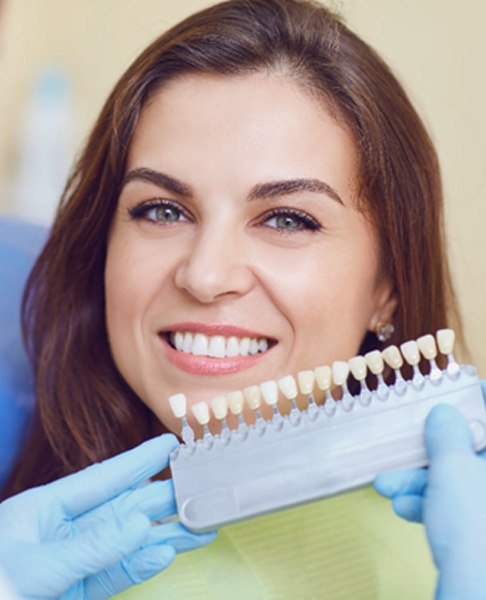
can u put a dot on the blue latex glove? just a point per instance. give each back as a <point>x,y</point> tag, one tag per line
<point>89,535</point>
<point>450,499</point>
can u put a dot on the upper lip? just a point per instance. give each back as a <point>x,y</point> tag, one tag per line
<point>214,329</point>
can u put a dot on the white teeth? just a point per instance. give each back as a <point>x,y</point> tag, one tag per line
<point>201,411</point>
<point>217,346</point>
<point>200,346</point>
<point>220,407</point>
<point>392,357</point>
<point>340,372</point>
<point>445,340</point>
<point>178,405</point>
<point>411,353</point>
<point>358,367</point>
<point>306,382</point>
<point>288,387</point>
<point>323,377</point>
<point>252,396</point>
<point>427,346</point>
<point>374,360</point>
<point>236,401</point>
<point>269,392</point>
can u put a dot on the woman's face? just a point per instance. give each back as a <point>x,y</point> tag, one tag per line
<point>237,253</point>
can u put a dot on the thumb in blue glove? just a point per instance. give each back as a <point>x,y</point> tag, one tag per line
<point>449,498</point>
<point>90,535</point>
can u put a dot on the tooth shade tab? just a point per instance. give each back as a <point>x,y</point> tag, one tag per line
<point>253,396</point>
<point>445,340</point>
<point>269,391</point>
<point>427,346</point>
<point>288,387</point>
<point>340,372</point>
<point>392,357</point>
<point>358,367</point>
<point>323,376</point>
<point>306,382</point>
<point>219,406</point>
<point>178,405</point>
<point>374,360</point>
<point>236,402</point>
<point>411,352</point>
<point>201,411</point>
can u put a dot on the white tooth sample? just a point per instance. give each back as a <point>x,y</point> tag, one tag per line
<point>253,346</point>
<point>427,346</point>
<point>178,405</point>
<point>219,406</point>
<point>288,387</point>
<point>269,391</point>
<point>392,357</point>
<point>262,345</point>
<point>201,411</point>
<point>244,346</point>
<point>236,401</point>
<point>445,340</point>
<point>216,348</point>
<point>374,360</point>
<point>358,367</point>
<point>410,351</point>
<point>178,340</point>
<point>323,377</point>
<point>340,372</point>
<point>200,345</point>
<point>187,342</point>
<point>252,396</point>
<point>306,381</point>
<point>232,347</point>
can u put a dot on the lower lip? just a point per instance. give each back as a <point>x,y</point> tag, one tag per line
<point>204,365</point>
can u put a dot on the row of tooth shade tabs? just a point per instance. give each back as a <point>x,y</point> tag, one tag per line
<point>332,381</point>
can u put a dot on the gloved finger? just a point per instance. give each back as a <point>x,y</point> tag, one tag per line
<point>404,482</point>
<point>102,481</point>
<point>156,500</point>
<point>446,431</point>
<point>483,388</point>
<point>137,568</point>
<point>410,508</point>
<point>100,547</point>
<point>179,537</point>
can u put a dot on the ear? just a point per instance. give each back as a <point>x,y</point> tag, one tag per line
<point>386,302</point>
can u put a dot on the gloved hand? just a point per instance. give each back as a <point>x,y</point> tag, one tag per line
<point>450,499</point>
<point>89,535</point>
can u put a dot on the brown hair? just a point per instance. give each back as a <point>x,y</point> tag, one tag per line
<point>85,410</point>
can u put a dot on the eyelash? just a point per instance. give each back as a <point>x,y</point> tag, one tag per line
<point>305,221</point>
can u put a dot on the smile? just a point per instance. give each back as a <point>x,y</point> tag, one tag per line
<point>217,346</point>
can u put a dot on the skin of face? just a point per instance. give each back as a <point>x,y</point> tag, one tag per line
<point>238,216</point>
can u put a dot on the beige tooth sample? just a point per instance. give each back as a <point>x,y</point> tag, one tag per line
<point>236,402</point>
<point>323,377</point>
<point>358,367</point>
<point>306,381</point>
<point>374,360</point>
<point>252,396</point>
<point>340,372</point>
<point>445,340</point>
<point>201,411</point>
<point>219,406</point>
<point>427,346</point>
<point>392,357</point>
<point>411,353</point>
<point>178,405</point>
<point>288,387</point>
<point>269,391</point>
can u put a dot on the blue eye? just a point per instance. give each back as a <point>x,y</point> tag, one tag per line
<point>291,221</point>
<point>159,211</point>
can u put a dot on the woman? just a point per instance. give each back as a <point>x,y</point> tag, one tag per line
<point>258,172</point>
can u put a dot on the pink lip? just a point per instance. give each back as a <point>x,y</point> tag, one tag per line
<point>204,365</point>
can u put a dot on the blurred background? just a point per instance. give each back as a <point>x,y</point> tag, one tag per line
<point>60,58</point>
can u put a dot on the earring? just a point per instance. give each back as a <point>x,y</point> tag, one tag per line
<point>384,331</point>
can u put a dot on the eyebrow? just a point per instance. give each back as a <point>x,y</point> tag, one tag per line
<point>271,189</point>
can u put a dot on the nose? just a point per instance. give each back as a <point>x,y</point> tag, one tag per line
<point>216,266</point>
